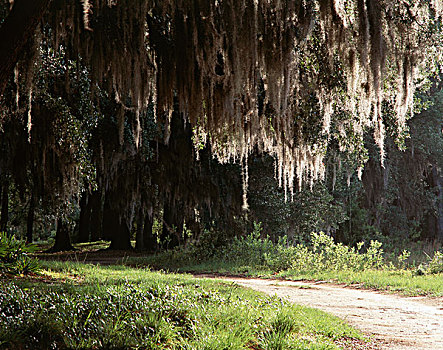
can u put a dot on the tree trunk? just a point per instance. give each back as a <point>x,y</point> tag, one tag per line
<point>145,240</point>
<point>172,226</point>
<point>120,234</point>
<point>96,216</point>
<point>5,207</point>
<point>149,239</point>
<point>139,239</point>
<point>115,227</point>
<point>439,219</point>
<point>15,32</point>
<point>108,223</point>
<point>62,239</point>
<point>30,220</point>
<point>85,218</point>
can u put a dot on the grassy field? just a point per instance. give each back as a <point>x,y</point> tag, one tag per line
<point>78,306</point>
<point>256,257</point>
<point>321,259</point>
<point>401,281</point>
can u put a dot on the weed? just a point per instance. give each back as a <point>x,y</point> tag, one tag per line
<point>321,254</point>
<point>435,264</point>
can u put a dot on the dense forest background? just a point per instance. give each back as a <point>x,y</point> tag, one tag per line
<point>189,198</point>
<point>74,169</point>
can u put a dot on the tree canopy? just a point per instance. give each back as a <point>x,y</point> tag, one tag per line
<point>123,105</point>
<point>272,75</point>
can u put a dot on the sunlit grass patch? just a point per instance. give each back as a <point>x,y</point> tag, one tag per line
<point>121,307</point>
<point>320,259</point>
<point>402,281</point>
<point>88,246</point>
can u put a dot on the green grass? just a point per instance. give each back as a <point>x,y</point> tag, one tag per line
<point>86,247</point>
<point>84,306</point>
<point>401,281</point>
<point>320,259</point>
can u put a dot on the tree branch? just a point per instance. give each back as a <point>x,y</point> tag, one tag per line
<point>18,28</point>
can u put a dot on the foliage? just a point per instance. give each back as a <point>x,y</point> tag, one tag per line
<point>320,259</point>
<point>435,264</point>
<point>85,117</point>
<point>118,307</point>
<point>14,255</point>
<point>250,249</point>
<point>321,254</point>
<point>402,258</point>
<point>307,209</point>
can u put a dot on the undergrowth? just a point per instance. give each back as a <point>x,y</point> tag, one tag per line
<point>321,253</point>
<point>320,258</point>
<point>14,256</point>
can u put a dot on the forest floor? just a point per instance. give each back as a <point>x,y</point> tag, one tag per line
<point>394,322</point>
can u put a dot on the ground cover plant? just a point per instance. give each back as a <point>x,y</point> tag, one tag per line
<point>87,306</point>
<point>15,255</point>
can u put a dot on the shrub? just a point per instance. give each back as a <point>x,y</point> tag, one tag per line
<point>321,253</point>
<point>249,250</point>
<point>435,264</point>
<point>14,255</point>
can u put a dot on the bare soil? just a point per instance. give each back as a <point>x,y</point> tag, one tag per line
<point>394,322</point>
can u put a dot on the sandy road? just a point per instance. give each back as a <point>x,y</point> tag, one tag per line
<point>396,323</point>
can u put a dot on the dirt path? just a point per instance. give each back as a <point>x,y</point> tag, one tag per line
<point>397,323</point>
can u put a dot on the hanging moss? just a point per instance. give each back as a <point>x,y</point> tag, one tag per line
<point>213,55</point>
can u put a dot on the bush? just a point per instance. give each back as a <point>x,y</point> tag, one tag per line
<point>321,253</point>
<point>14,256</point>
<point>435,264</point>
<point>250,250</point>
